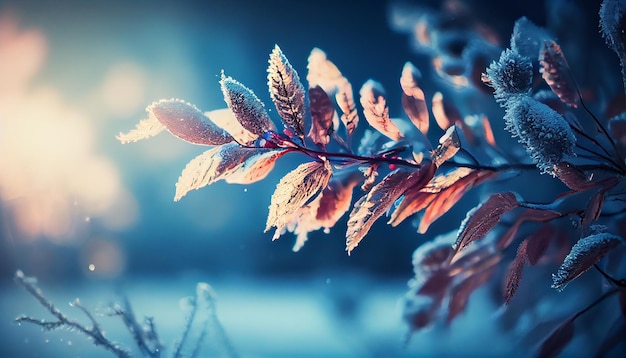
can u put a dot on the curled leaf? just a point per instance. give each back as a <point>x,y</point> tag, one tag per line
<point>322,112</point>
<point>586,252</point>
<point>484,217</point>
<point>248,109</point>
<point>372,206</point>
<point>376,111</point>
<point>345,101</point>
<point>232,162</point>
<point>413,100</point>
<point>449,145</point>
<point>286,91</point>
<point>555,71</point>
<point>295,190</point>
<point>181,119</point>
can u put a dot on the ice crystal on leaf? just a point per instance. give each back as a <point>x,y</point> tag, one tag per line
<point>286,91</point>
<point>586,252</point>
<point>248,109</point>
<point>511,75</point>
<point>295,190</point>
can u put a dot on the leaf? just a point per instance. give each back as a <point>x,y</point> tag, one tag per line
<point>146,128</point>
<point>571,176</point>
<point>345,101</point>
<point>230,161</point>
<point>594,207</point>
<point>586,252</point>
<point>376,111</point>
<point>555,71</point>
<point>461,292</point>
<point>295,190</point>
<point>322,112</point>
<point>436,284</point>
<point>413,99</point>
<point>527,215</point>
<point>335,199</point>
<point>538,242</point>
<point>480,220</point>
<point>449,145</point>
<point>515,271</point>
<point>446,115</point>
<point>322,72</point>
<point>248,109</point>
<point>374,204</point>
<point>558,339</point>
<point>225,118</point>
<point>181,119</point>
<point>286,91</point>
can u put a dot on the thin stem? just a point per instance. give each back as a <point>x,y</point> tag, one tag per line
<point>606,295</point>
<point>616,282</point>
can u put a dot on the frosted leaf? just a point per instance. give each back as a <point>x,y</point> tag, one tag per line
<point>511,75</point>
<point>286,91</point>
<point>586,252</point>
<point>295,190</point>
<point>527,38</point>
<point>225,118</point>
<point>379,200</point>
<point>146,128</point>
<point>181,119</point>
<point>515,271</point>
<point>432,255</point>
<point>545,134</point>
<point>613,28</point>
<point>376,111</point>
<point>322,113</point>
<point>446,115</point>
<point>481,219</point>
<point>413,99</point>
<point>555,71</point>
<point>449,145</point>
<point>248,109</point>
<point>345,101</point>
<point>245,165</point>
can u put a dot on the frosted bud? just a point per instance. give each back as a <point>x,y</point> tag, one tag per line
<point>512,74</point>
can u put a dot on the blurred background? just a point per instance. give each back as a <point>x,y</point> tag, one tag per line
<point>92,218</point>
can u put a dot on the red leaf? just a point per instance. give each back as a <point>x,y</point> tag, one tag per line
<point>378,201</point>
<point>594,208</point>
<point>527,215</point>
<point>586,252</point>
<point>446,115</point>
<point>538,243</point>
<point>558,339</point>
<point>436,285</point>
<point>322,113</point>
<point>483,218</point>
<point>571,176</point>
<point>515,272</point>
<point>555,71</point>
<point>460,293</point>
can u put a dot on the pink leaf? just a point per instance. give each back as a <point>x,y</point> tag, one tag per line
<point>483,218</point>
<point>558,339</point>
<point>586,252</point>
<point>294,191</point>
<point>571,176</point>
<point>436,284</point>
<point>180,118</point>
<point>514,275</point>
<point>322,112</point>
<point>413,100</point>
<point>248,109</point>
<point>444,112</point>
<point>527,215</point>
<point>376,111</point>
<point>555,71</point>
<point>335,200</point>
<point>231,162</point>
<point>461,292</point>
<point>286,91</point>
<point>378,201</point>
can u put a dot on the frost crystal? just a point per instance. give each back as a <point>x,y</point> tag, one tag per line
<point>583,255</point>
<point>511,75</point>
<point>545,134</point>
